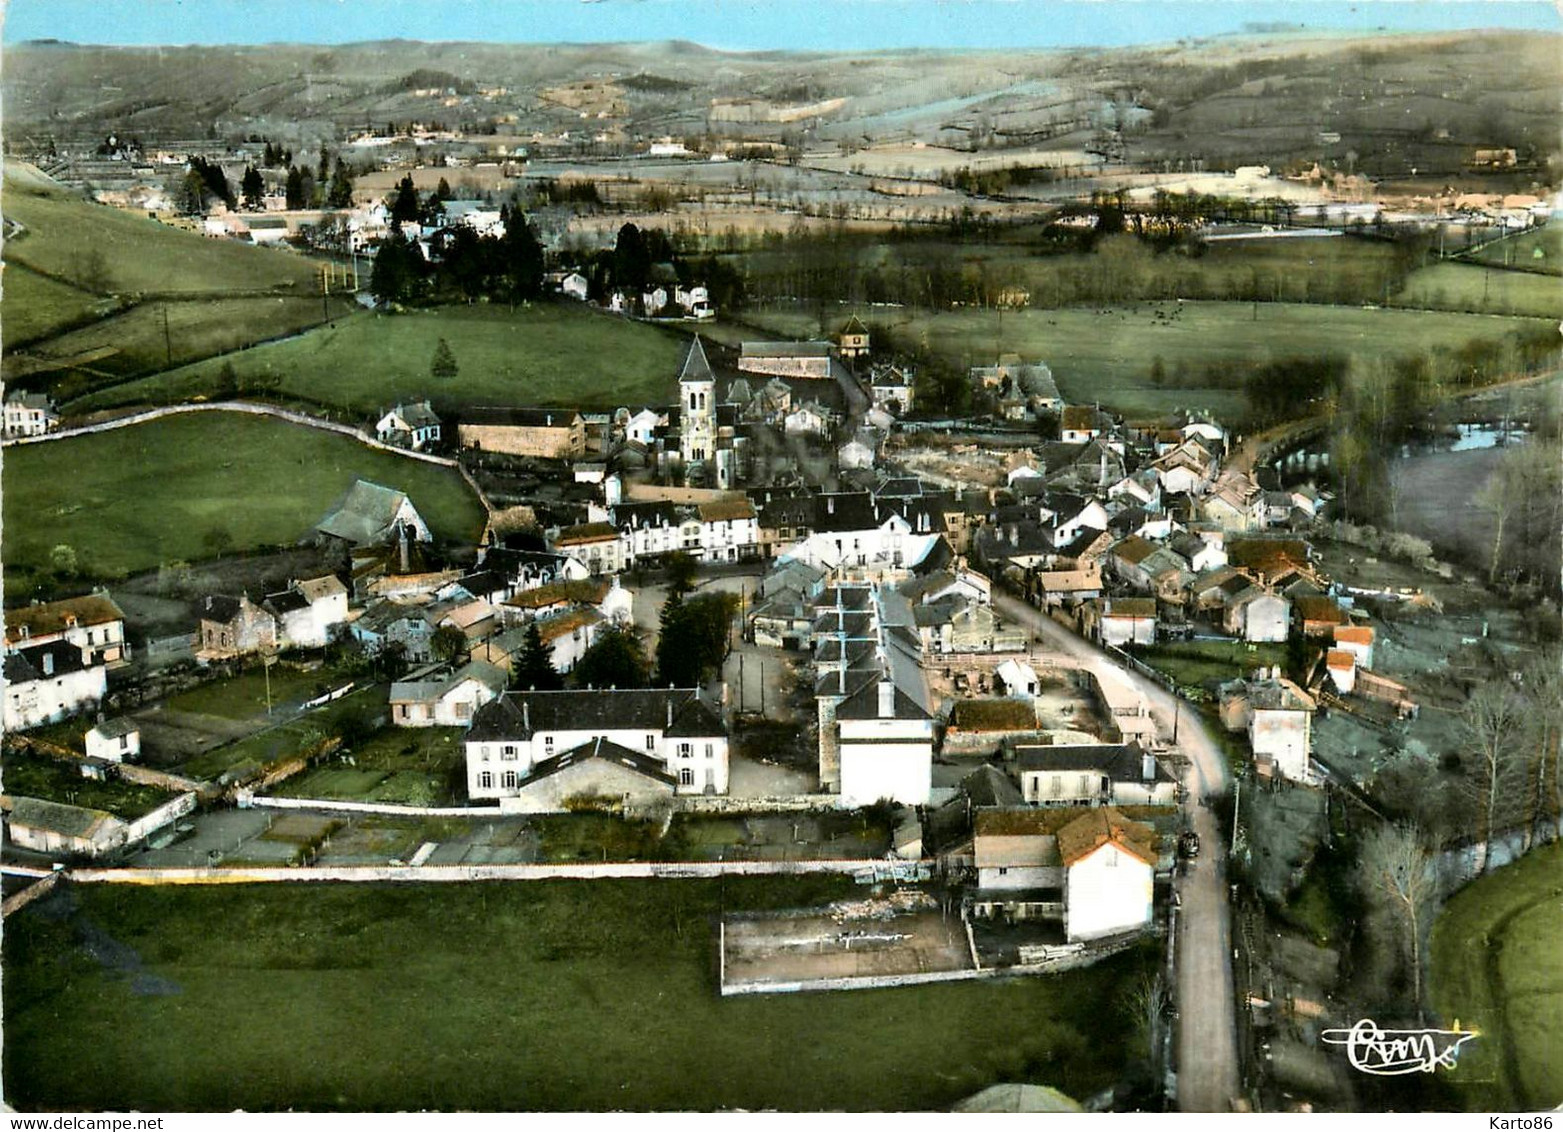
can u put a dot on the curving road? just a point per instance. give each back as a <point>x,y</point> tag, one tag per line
<point>1207,1024</point>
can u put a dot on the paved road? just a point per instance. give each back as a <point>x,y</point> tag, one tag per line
<point>1207,1028</point>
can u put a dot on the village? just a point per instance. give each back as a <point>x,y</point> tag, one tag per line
<point>728,539</point>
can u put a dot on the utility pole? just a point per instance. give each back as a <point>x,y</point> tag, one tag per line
<point>168,343</point>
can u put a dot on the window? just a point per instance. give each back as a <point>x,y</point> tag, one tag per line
<point>124,742</point>
<point>686,776</point>
<point>548,745</point>
<point>1085,784</point>
<point>685,751</point>
<point>401,710</point>
<point>508,753</point>
<point>710,750</point>
<point>484,751</point>
<point>1058,786</point>
<point>509,780</point>
<point>463,710</point>
<point>1003,872</point>
<point>651,742</point>
<point>486,780</point>
<point>1112,859</point>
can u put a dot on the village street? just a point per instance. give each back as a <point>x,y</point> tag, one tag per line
<point>1207,1031</point>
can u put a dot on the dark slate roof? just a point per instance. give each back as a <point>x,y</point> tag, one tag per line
<point>845,511</point>
<point>642,709</point>
<point>27,664</point>
<point>288,601</point>
<point>990,786</point>
<point>695,367</point>
<point>1120,762</point>
<point>600,748</point>
<point>219,607</point>
<point>864,704</point>
<point>364,514</point>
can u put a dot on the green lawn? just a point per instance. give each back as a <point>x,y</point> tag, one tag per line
<point>1192,663</point>
<point>196,329</point>
<point>414,766</point>
<point>297,736</point>
<point>133,498</point>
<point>1496,966</point>
<point>109,250</point>
<point>1105,354</point>
<point>34,305</point>
<point>543,354</point>
<point>35,777</point>
<point>560,995</point>
<point>244,696</point>
<point>1467,287</point>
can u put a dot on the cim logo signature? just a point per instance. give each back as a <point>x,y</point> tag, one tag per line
<point>1391,1053</point>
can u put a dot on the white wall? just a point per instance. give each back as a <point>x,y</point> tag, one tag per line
<point>886,758</point>
<point>1284,736</point>
<point>1107,891</point>
<point>1129,630</point>
<point>52,698</point>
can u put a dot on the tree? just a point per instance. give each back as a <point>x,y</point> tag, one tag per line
<point>340,194</point>
<point>63,561</point>
<point>615,660</point>
<point>217,540</point>
<point>694,637</point>
<point>1490,724</point>
<point>253,188</point>
<point>534,667</point>
<point>293,189</point>
<point>520,258</point>
<point>443,365</point>
<point>448,643</point>
<point>398,269</point>
<point>681,568</point>
<point>631,260</point>
<point>1396,870</point>
<point>404,205</point>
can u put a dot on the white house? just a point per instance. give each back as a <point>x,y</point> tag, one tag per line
<point>642,426</point>
<point>1017,679</point>
<point>1110,874</point>
<point>45,683</point>
<point>574,285</point>
<point>440,697</point>
<point>28,414</point>
<point>1342,668</point>
<point>117,740</point>
<point>1258,616</point>
<point>1356,640</point>
<point>1129,621</point>
<point>414,426</point>
<point>886,747</point>
<point>661,739</point>
<point>94,624</point>
<point>1118,774</point>
<point>1278,716</point>
<point>808,419</point>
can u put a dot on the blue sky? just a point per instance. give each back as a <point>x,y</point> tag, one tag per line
<point>858,25</point>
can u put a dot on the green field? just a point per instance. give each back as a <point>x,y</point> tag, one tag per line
<point>135,497</point>
<point>1106,354</point>
<point>557,995</point>
<point>1520,251</point>
<point>1496,966</point>
<point>109,250</point>
<point>138,342</point>
<point>1467,287</point>
<point>33,306</point>
<point>300,735</point>
<point>414,766</point>
<point>547,354</point>
<point>1193,663</point>
<point>244,696</point>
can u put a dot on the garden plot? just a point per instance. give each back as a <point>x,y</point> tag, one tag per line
<point>899,935</point>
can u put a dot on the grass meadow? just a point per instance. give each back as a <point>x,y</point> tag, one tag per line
<point>1106,354</point>
<point>545,354</point>
<point>550,995</point>
<point>35,306</point>
<point>1496,966</point>
<point>136,497</point>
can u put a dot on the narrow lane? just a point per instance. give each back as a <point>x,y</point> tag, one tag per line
<point>1207,1024</point>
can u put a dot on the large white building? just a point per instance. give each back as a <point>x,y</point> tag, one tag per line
<point>534,750</point>
<point>45,683</point>
<point>886,747</point>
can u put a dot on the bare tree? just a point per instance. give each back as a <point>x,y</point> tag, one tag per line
<point>1397,866</point>
<point>1149,1006</point>
<point>1543,684</point>
<point>1492,722</point>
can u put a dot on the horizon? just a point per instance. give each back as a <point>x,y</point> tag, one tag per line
<point>835,26</point>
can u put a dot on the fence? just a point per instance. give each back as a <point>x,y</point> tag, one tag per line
<point>248,800</point>
<point>793,803</point>
<point>19,900</point>
<point>166,814</point>
<point>457,874</point>
<point>146,776</point>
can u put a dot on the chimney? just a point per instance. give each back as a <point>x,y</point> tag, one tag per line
<point>48,664</point>
<point>1147,766</point>
<point>886,699</point>
<point>403,551</point>
<point>670,712</point>
<point>526,715</point>
<point>1014,534</point>
<point>830,504</point>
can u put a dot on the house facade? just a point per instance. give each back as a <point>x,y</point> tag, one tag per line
<point>555,434</point>
<point>445,697</point>
<point>28,414</point>
<point>886,747</point>
<point>1110,875</point>
<point>516,738</point>
<point>94,624</point>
